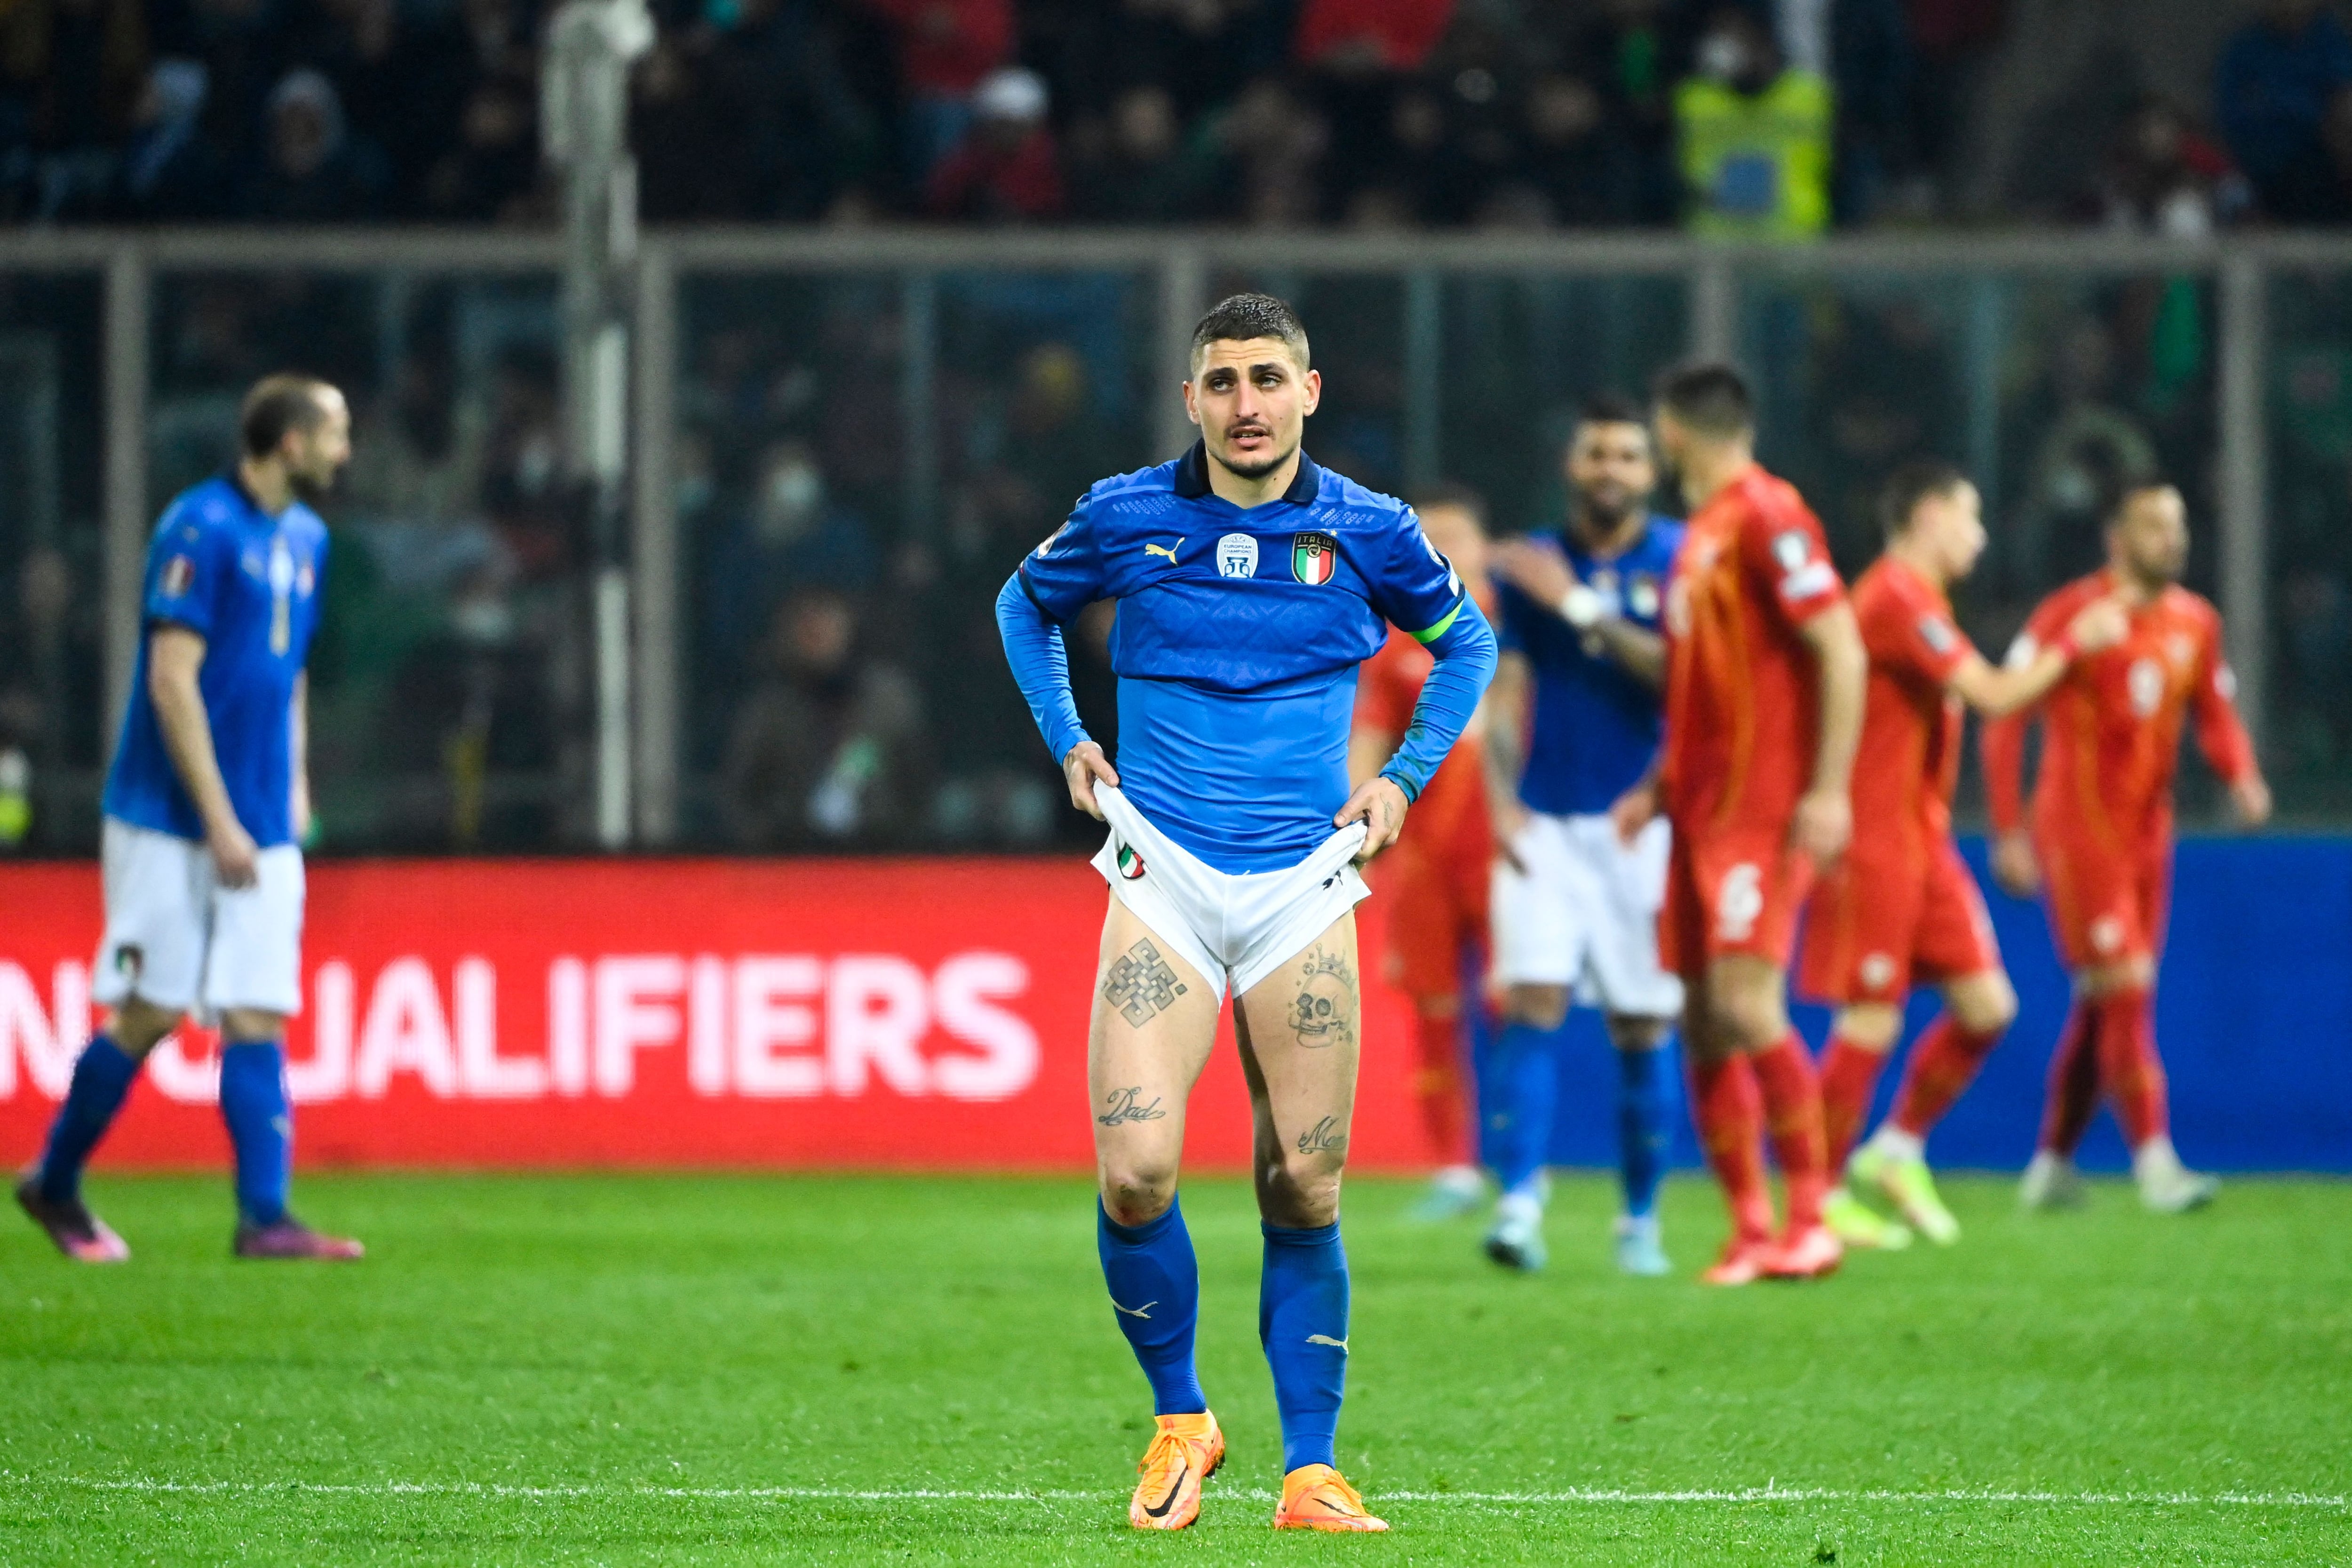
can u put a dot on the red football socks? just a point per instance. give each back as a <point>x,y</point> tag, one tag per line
<point>2073,1093</point>
<point>1728,1108</point>
<point>2128,1065</point>
<point>1849,1074</point>
<point>1437,1084</point>
<point>1792,1115</point>
<point>1943,1063</point>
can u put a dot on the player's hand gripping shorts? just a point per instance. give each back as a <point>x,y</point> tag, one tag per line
<point>176,939</point>
<point>1226,925</point>
<point>2105,906</point>
<point>1582,908</point>
<point>1871,928</point>
<point>1732,893</point>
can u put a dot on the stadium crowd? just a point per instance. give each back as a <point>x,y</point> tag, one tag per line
<point>1514,113</point>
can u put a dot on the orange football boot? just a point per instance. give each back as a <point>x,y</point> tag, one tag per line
<point>1184,1452</point>
<point>1743,1261</point>
<point>1315,1497</point>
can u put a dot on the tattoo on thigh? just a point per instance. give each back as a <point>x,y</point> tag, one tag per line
<point>1124,1105</point>
<point>1140,982</point>
<point>1323,1138</point>
<point>1324,1013</point>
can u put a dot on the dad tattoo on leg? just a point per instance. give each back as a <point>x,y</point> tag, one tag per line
<point>1140,983</point>
<point>1125,1105</point>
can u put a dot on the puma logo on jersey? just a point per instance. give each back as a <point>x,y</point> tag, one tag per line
<point>1167,550</point>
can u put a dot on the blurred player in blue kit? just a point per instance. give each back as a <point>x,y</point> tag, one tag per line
<point>1575,721</point>
<point>1250,586</point>
<point>206,807</point>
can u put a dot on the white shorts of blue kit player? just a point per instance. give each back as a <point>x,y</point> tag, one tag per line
<point>1230,927</point>
<point>178,940</point>
<point>1585,913</point>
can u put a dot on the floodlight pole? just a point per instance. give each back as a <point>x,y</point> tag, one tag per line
<point>585,130</point>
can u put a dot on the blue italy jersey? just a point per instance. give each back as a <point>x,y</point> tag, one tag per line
<point>247,583</point>
<point>1236,644</point>
<point>1596,727</point>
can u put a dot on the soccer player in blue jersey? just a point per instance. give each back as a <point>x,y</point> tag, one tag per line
<point>1250,584</point>
<point>1575,723</point>
<point>205,808</point>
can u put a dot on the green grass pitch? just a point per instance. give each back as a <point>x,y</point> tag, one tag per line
<point>626,1369</point>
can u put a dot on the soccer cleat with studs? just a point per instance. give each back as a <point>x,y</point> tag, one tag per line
<point>77,1233</point>
<point>1317,1497</point>
<point>1185,1451</point>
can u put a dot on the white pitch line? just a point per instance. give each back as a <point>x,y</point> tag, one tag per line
<point>1571,1496</point>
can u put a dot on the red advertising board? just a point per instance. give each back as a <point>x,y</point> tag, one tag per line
<point>911,1014</point>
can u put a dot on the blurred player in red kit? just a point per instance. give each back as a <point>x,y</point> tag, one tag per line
<point>1434,883</point>
<point>2100,840</point>
<point>1901,904</point>
<point>1765,672</point>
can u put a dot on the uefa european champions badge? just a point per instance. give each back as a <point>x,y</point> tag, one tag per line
<point>1237,555</point>
<point>1313,557</point>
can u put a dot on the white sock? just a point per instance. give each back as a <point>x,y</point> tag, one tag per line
<point>2154,1158</point>
<point>1459,1179</point>
<point>1896,1144</point>
<point>1519,1205</point>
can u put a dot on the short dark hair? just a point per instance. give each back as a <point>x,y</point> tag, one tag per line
<point>1709,397</point>
<point>1241,317</point>
<point>1609,408</point>
<point>2120,493</point>
<point>287,401</point>
<point>1460,496</point>
<point>1911,483</point>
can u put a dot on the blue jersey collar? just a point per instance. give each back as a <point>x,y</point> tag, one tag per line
<point>1192,477</point>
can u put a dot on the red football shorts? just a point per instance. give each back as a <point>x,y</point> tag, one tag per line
<point>1869,930</point>
<point>2104,906</point>
<point>1435,902</point>
<point>1734,893</point>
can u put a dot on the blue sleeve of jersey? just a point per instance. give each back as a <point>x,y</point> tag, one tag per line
<point>1064,575</point>
<point>1041,666</point>
<point>1465,663</point>
<point>1410,585</point>
<point>187,568</point>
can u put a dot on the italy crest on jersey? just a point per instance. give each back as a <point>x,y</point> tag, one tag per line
<point>1313,557</point>
<point>1131,864</point>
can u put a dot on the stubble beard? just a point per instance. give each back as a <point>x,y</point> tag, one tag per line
<point>1257,470</point>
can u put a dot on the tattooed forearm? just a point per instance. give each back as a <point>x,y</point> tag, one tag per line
<point>1122,1105</point>
<point>1324,1013</point>
<point>1323,1138</point>
<point>1139,984</point>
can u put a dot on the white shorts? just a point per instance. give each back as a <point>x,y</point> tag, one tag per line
<point>176,939</point>
<point>1236,929</point>
<point>1585,913</point>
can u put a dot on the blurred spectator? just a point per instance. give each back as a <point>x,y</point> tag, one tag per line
<point>679,135</point>
<point>2315,187</point>
<point>1635,50</point>
<point>791,534</point>
<point>170,173</point>
<point>315,172</point>
<point>2270,91</point>
<point>1364,37</point>
<point>830,748</point>
<point>1565,162</point>
<point>1274,145</point>
<point>1006,168</point>
<point>70,74</point>
<point>1753,136</point>
<point>946,50</point>
<point>1865,51</point>
<point>2091,451</point>
<point>522,479</point>
<point>1144,172</point>
<point>785,129</point>
<point>2162,177</point>
<point>491,175</point>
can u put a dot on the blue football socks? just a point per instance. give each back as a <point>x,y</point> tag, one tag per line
<point>101,1080</point>
<point>1302,1320</point>
<point>1526,1078</point>
<point>1646,1098</point>
<point>1155,1292</point>
<point>260,1126</point>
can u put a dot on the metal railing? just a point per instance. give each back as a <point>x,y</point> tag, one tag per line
<point>1716,283</point>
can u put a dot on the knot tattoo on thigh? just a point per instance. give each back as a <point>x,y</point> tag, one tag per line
<point>1140,983</point>
<point>1323,1012</point>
